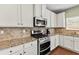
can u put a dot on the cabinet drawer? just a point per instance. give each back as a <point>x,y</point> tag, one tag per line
<point>20,52</point>
<point>30,51</point>
<point>31,44</point>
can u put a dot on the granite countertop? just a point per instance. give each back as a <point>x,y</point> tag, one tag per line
<point>11,42</point>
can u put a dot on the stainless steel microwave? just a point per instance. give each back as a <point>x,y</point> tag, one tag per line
<point>39,22</point>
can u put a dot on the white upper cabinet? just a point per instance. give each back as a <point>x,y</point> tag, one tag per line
<point>60,20</point>
<point>27,15</point>
<point>16,15</point>
<point>9,15</point>
<point>38,10</point>
<point>48,17</point>
<point>53,19</point>
<point>44,10</point>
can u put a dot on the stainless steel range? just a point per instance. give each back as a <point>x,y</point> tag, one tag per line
<point>43,46</point>
<point>43,41</point>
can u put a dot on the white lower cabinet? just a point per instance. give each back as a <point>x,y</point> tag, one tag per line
<point>30,51</point>
<point>30,48</point>
<point>76,44</point>
<point>20,52</point>
<point>16,48</point>
<point>52,40</point>
<point>11,50</point>
<point>57,40</point>
<point>25,49</point>
<point>61,40</point>
<point>5,52</point>
<point>68,42</point>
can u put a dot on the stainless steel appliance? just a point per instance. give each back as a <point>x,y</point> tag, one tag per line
<point>43,46</point>
<point>43,41</point>
<point>39,22</point>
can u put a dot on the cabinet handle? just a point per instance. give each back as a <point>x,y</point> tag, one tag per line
<point>31,44</point>
<point>20,53</point>
<point>10,51</point>
<point>24,52</point>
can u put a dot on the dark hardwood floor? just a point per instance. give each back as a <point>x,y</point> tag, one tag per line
<point>62,51</point>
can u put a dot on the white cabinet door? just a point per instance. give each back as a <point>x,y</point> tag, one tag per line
<point>27,15</point>
<point>20,52</point>
<point>16,48</point>
<point>61,40</point>
<point>53,19</point>
<point>29,51</point>
<point>48,17</point>
<point>5,52</point>
<point>68,42</point>
<point>61,19</point>
<point>43,10</point>
<point>9,15</point>
<point>30,48</point>
<point>76,44</point>
<point>52,40</point>
<point>57,40</point>
<point>38,10</point>
<point>17,53</point>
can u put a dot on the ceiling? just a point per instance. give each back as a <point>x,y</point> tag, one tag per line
<point>59,7</point>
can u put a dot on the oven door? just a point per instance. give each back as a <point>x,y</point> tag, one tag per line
<point>39,22</point>
<point>44,46</point>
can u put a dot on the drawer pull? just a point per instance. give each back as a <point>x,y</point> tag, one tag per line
<point>24,52</point>
<point>20,53</point>
<point>10,51</point>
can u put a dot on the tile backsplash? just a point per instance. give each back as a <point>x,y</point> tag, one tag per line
<point>63,31</point>
<point>10,37</point>
<point>6,33</point>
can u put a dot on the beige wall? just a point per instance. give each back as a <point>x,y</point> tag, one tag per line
<point>72,12</point>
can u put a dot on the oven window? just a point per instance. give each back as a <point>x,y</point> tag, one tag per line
<point>45,52</point>
<point>44,45</point>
